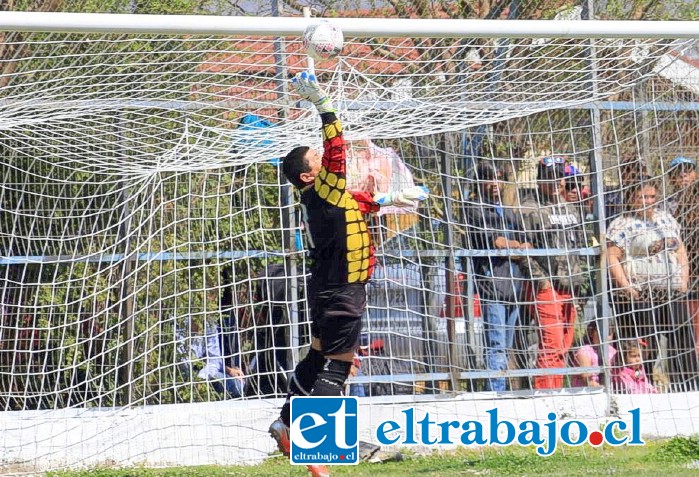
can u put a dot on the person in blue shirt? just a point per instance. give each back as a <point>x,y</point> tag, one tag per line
<point>207,347</point>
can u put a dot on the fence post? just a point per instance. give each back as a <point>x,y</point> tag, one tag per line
<point>287,200</point>
<point>597,186</point>
<point>126,298</point>
<point>450,261</point>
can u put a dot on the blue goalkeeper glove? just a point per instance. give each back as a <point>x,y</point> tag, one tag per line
<point>408,197</point>
<point>307,87</point>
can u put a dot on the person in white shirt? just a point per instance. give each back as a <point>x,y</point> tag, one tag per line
<point>649,274</point>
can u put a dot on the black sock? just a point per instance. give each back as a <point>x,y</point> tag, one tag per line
<point>302,379</point>
<point>331,379</point>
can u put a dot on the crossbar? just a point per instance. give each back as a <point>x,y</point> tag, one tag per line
<point>351,27</point>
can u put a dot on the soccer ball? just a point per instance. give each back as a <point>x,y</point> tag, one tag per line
<point>323,40</point>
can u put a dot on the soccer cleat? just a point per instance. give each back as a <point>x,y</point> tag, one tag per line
<point>280,433</point>
<point>317,470</point>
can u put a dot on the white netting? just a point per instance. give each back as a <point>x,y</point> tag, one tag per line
<point>150,251</point>
<point>172,99</point>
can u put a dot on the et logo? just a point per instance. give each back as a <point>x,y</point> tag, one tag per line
<point>324,430</point>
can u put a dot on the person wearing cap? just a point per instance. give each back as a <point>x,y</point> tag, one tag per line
<point>576,193</point>
<point>683,173</point>
<point>491,226</point>
<point>682,204</point>
<point>688,330</point>
<point>572,184</point>
<point>552,223</point>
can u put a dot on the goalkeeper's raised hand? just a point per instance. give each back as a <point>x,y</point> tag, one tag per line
<point>408,197</point>
<point>306,85</point>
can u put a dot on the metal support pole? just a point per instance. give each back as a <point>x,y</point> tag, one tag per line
<point>126,299</point>
<point>597,185</point>
<point>449,262</point>
<point>287,202</point>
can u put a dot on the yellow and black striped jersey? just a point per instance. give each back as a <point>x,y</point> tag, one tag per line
<point>338,236</point>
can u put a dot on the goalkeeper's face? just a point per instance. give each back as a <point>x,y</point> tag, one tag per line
<point>314,160</point>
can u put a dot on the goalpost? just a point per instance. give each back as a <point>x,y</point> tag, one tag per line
<point>149,246</point>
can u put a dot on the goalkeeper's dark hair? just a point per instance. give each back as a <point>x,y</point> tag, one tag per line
<point>295,164</point>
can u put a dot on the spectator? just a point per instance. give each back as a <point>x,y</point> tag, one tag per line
<point>687,330</point>
<point>84,387</point>
<point>23,357</point>
<point>589,355</point>
<point>551,223</point>
<point>631,378</point>
<point>207,347</point>
<point>498,280</point>
<point>255,318</point>
<point>631,170</point>
<point>577,194</point>
<point>572,189</point>
<point>269,326</point>
<point>683,173</point>
<point>688,218</point>
<point>648,270</point>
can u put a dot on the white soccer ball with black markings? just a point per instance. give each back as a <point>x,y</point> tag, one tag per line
<point>323,40</point>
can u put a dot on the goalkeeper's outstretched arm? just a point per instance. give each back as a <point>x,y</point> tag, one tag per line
<point>408,197</point>
<point>330,181</point>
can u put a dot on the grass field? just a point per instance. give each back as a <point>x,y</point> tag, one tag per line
<point>675,457</point>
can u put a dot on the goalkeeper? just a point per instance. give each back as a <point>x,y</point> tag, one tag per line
<point>341,252</point>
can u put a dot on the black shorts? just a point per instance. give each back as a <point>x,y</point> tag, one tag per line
<point>336,317</point>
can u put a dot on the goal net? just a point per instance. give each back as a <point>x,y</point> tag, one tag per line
<point>151,252</point>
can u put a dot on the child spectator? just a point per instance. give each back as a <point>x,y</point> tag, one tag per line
<point>630,378</point>
<point>588,355</point>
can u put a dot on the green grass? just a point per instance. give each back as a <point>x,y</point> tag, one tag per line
<point>675,457</point>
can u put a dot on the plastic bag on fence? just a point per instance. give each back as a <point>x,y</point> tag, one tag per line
<point>375,169</point>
